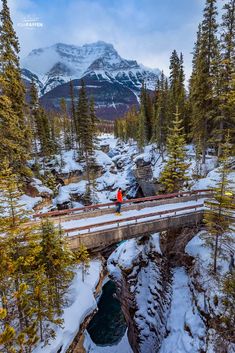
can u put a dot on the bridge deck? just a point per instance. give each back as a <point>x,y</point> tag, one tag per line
<point>110,220</point>
<point>97,226</point>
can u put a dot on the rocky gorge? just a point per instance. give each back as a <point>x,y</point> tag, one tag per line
<point>161,279</point>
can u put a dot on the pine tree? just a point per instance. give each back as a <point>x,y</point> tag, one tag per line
<point>176,86</point>
<point>75,127</point>
<point>204,78</point>
<point>131,120</point>
<point>66,125</point>
<point>34,105</point>
<point>141,135</point>
<point>12,87</point>
<point>228,317</point>
<point>87,122</point>
<point>57,261</point>
<point>10,134</point>
<point>217,220</point>
<point>174,174</point>
<point>174,79</point>
<point>83,259</point>
<point>41,125</point>
<point>36,270</point>
<point>93,121</point>
<point>160,114</point>
<point>226,116</point>
<point>18,249</point>
<point>42,306</point>
<point>182,102</point>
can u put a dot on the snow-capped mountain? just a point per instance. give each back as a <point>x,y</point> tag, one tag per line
<point>99,64</point>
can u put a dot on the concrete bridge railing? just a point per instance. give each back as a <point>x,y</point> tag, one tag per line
<point>99,239</point>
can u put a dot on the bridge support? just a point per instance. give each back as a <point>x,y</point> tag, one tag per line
<point>98,240</point>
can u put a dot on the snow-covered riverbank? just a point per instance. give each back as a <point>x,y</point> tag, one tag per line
<point>81,303</point>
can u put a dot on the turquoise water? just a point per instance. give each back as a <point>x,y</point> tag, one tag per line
<point>108,326</point>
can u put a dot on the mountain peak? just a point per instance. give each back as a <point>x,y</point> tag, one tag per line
<point>61,62</point>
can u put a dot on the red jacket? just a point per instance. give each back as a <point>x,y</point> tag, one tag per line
<point>119,196</point>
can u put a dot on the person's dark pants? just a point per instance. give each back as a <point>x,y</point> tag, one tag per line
<point>118,208</point>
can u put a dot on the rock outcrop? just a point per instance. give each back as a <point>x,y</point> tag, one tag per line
<point>144,290</point>
<point>144,176</point>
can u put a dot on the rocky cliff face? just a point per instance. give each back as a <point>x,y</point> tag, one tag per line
<point>143,279</point>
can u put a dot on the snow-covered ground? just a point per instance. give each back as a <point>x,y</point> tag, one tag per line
<point>122,347</point>
<point>185,326</point>
<point>82,303</point>
<point>131,213</point>
<point>116,162</point>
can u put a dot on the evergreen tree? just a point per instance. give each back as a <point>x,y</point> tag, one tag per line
<point>18,249</point>
<point>10,135</point>
<point>174,79</point>
<point>83,259</point>
<point>57,260</point>
<point>36,269</point>
<point>146,116</point>
<point>176,86</point>
<point>34,105</point>
<point>41,125</point>
<point>204,78</point>
<point>47,142</point>
<point>93,121</point>
<point>131,121</point>
<point>217,222</point>
<point>160,113</point>
<point>12,88</point>
<point>228,317</point>
<point>174,174</point>
<point>141,135</point>
<point>87,125</point>
<point>42,302</point>
<point>75,127</point>
<point>66,125</point>
<point>226,116</point>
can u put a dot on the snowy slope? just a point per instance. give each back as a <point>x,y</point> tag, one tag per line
<point>73,316</point>
<point>185,326</point>
<point>123,346</point>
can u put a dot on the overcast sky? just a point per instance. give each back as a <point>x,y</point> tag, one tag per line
<point>145,30</point>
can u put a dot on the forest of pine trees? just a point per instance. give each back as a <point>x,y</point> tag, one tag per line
<point>36,264</point>
<point>36,270</point>
<point>207,107</point>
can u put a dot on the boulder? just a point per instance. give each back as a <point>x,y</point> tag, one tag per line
<point>144,176</point>
<point>36,189</point>
<point>105,148</point>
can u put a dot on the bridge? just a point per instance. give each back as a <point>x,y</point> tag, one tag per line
<point>97,226</point>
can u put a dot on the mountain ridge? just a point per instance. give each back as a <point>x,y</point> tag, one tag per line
<point>99,62</point>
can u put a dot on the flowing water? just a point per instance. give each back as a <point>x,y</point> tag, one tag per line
<point>108,325</point>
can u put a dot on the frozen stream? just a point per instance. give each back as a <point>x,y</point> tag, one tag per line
<point>185,326</point>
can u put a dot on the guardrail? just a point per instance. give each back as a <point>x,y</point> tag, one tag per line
<point>133,218</point>
<point>112,204</point>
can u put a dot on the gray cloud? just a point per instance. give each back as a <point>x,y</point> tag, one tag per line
<point>145,30</point>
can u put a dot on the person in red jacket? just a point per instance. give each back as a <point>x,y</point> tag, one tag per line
<point>119,201</point>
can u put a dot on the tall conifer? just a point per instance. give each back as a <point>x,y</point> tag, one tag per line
<point>202,88</point>
<point>11,86</point>
<point>217,219</point>
<point>174,174</point>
